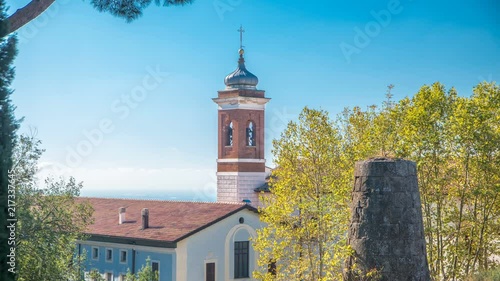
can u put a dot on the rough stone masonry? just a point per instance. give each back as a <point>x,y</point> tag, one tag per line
<point>386,230</point>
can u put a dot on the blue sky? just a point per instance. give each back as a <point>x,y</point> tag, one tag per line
<point>77,70</point>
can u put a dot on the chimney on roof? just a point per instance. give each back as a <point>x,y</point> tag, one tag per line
<point>145,218</point>
<point>121,215</point>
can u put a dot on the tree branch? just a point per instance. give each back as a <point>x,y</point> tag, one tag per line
<point>27,13</point>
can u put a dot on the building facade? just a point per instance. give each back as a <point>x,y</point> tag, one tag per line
<point>193,241</point>
<point>184,241</point>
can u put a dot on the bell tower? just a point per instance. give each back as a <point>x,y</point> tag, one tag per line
<point>240,164</point>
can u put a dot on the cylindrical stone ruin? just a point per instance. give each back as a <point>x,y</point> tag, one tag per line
<point>386,230</point>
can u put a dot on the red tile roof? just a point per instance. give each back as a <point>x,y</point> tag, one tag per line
<point>169,221</point>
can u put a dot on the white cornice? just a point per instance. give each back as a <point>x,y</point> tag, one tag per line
<point>241,103</point>
<point>126,246</point>
<point>241,160</point>
<point>241,174</point>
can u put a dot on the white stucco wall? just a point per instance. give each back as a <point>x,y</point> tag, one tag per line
<point>215,244</point>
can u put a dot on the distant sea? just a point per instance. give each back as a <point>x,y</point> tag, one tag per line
<point>150,195</point>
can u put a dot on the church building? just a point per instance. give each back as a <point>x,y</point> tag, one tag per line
<point>193,241</point>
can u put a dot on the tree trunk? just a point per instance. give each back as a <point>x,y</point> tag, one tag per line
<point>27,13</point>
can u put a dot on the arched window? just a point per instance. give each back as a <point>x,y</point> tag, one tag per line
<point>229,137</point>
<point>251,134</point>
<point>238,255</point>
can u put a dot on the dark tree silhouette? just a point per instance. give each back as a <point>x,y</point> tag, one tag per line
<point>127,9</point>
<point>8,128</point>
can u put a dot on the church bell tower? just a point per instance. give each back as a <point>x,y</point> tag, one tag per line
<point>240,165</point>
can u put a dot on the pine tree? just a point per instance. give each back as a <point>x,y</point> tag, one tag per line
<point>8,127</point>
<point>126,9</point>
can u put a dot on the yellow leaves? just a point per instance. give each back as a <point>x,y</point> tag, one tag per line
<point>307,213</point>
<point>455,142</point>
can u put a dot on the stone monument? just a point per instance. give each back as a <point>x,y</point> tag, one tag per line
<point>386,230</point>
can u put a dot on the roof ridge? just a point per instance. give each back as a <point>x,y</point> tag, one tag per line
<point>164,200</point>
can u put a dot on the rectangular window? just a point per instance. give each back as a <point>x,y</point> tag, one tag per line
<point>155,266</point>
<point>210,271</point>
<point>241,259</point>
<point>123,277</point>
<point>109,276</point>
<point>109,255</point>
<point>123,256</point>
<point>95,253</point>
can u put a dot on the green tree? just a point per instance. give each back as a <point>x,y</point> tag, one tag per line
<point>306,215</point>
<point>49,219</point>
<point>425,133</point>
<point>94,275</point>
<point>454,141</point>
<point>476,156</point>
<point>8,127</point>
<point>144,274</point>
<point>127,9</point>
<point>371,133</point>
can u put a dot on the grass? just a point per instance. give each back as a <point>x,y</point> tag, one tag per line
<point>490,275</point>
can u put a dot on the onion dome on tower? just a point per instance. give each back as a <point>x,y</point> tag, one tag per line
<point>241,78</point>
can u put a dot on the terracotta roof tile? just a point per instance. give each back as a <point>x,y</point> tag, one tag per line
<point>168,220</point>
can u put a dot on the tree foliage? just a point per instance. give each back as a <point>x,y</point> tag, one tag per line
<point>454,140</point>
<point>306,216</point>
<point>8,127</point>
<point>49,219</point>
<point>455,143</point>
<point>94,275</point>
<point>144,274</point>
<point>131,9</point>
<point>126,9</point>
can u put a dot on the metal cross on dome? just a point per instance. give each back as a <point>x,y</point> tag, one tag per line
<point>241,30</point>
